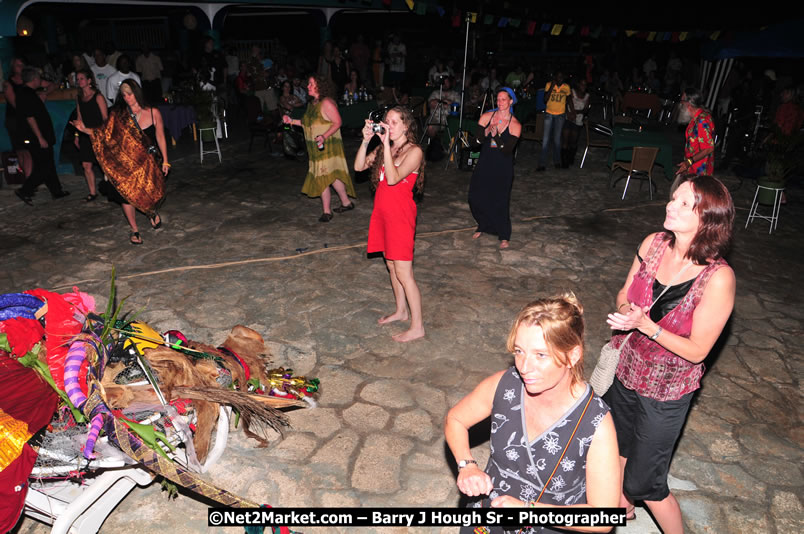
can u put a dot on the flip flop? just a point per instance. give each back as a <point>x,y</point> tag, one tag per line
<point>134,238</point>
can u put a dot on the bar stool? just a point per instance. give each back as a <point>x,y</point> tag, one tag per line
<point>777,201</point>
<point>213,131</point>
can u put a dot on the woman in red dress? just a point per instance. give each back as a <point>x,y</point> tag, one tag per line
<point>397,168</point>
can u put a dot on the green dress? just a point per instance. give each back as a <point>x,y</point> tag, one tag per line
<point>326,165</point>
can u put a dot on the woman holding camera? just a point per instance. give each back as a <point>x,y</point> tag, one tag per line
<point>322,130</point>
<point>490,188</point>
<point>397,169</point>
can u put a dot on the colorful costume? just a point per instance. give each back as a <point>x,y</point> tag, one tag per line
<point>700,135</point>
<point>121,148</point>
<point>520,464</point>
<point>326,165</point>
<point>392,229</point>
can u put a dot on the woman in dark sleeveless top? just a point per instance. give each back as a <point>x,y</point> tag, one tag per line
<point>661,363</point>
<point>10,90</point>
<point>92,112</point>
<point>490,188</point>
<point>552,439</point>
<point>138,180</point>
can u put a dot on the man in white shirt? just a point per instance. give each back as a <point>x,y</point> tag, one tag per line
<point>396,60</point>
<point>299,91</point>
<point>123,73</point>
<point>102,71</point>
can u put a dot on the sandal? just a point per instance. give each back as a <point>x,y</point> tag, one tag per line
<point>90,197</point>
<point>630,513</point>
<point>325,217</point>
<point>342,209</point>
<point>134,238</point>
<point>156,221</point>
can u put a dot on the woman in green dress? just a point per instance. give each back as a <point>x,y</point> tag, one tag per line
<point>322,131</point>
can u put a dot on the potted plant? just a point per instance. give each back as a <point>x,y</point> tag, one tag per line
<point>785,154</point>
<point>202,104</point>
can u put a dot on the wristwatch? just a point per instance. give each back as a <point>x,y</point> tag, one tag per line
<point>464,463</point>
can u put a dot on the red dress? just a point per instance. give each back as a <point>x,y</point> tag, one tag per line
<point>392,229</point>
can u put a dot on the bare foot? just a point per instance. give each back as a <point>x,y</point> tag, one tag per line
<point>504,244</point>
<point>397,316</point>
<point>476,235</point>
<point>409,335</point>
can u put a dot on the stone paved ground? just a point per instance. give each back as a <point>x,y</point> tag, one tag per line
<point>376,437</point>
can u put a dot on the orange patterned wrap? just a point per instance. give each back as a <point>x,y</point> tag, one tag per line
<point>121,149</point>
<point>13,435</point>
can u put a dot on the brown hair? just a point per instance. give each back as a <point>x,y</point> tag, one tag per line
<point>411,135</point>
<point>561,320</point>
<point>715,208</point>
<point>325,86</point>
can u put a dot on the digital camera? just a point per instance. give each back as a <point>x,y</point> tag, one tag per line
<point>377,128</point>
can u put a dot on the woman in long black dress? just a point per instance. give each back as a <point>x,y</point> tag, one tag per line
<point>92,112</point>
<point>490,189</point>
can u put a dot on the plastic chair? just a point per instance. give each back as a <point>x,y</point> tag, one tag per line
<point>595,143</point>
<point>258,124</point>
<point>533,130</point>
<point>82,507</point>
<point>641,165</point>
<point>773,218</point>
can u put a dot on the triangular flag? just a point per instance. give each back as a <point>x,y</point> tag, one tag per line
<point>642,35</point>
<point>531,27</point>
<point>503,22</point>
<point>421,8</point>
<point>594,34</point>
<point>682,36</point>
<point>667,36</point>
<point>546,27</point>
<point>472,17</point>
<point>515,22</point>
<point>570,30</point>
<point>488,19</point>
<point>613,32</point>
<point>630,33</point>
<point>715,35</point>
<point>410,4</point>
<point>674,37</point>
<point>651,36</point>
<point>441,11</point>
<point>585,31</point>
<point>386,3</point>
<point>456,20</point>
<point>557,29</point>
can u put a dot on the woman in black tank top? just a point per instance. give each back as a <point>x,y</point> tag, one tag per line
<point>10,93</point>
<point>92,112</point>
<point>137,179</point>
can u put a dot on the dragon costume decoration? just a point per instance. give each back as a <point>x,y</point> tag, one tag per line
<point>62,339</point>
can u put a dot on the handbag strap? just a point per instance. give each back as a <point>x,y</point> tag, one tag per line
<point>591,395</point>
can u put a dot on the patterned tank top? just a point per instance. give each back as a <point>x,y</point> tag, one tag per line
<point>520,464</point>
<point>645,366</point>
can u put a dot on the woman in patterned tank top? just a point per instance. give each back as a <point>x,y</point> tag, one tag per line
<point>552,439</point>
<point>661,364</point>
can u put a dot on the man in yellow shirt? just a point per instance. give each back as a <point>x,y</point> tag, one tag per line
<point>555,96</point>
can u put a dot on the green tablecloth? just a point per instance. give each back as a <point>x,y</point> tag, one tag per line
<point>626,137</point>
<point>352,116</point>
<point>60,111</point>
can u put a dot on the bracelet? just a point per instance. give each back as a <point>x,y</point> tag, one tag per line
<point>689,161</point>
<point>621,305</point>
<point>166,164</point>
<point>531,504</point>
<point>656,335</point>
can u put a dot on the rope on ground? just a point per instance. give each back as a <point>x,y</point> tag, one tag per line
<point>327,249</point>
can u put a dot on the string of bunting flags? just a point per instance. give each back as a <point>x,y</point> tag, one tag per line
<point>532,27</point>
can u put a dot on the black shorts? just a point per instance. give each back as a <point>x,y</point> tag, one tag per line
<point>647,432</point>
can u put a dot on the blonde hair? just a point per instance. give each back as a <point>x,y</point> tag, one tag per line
<point>561,320</point>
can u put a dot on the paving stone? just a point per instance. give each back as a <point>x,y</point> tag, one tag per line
<point>366,417</point>
<point>762,439</point>
<point>387,393</point>
<point>377,468</point>
<point>701,514</point>
<point>294,447</point>
<point>787,512</point>
<point>322,422</point>
<point>744,517</point>
<point>417,424</point>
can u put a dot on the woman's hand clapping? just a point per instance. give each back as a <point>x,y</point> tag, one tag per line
<point>473,482</point>
<point>634,318</point>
